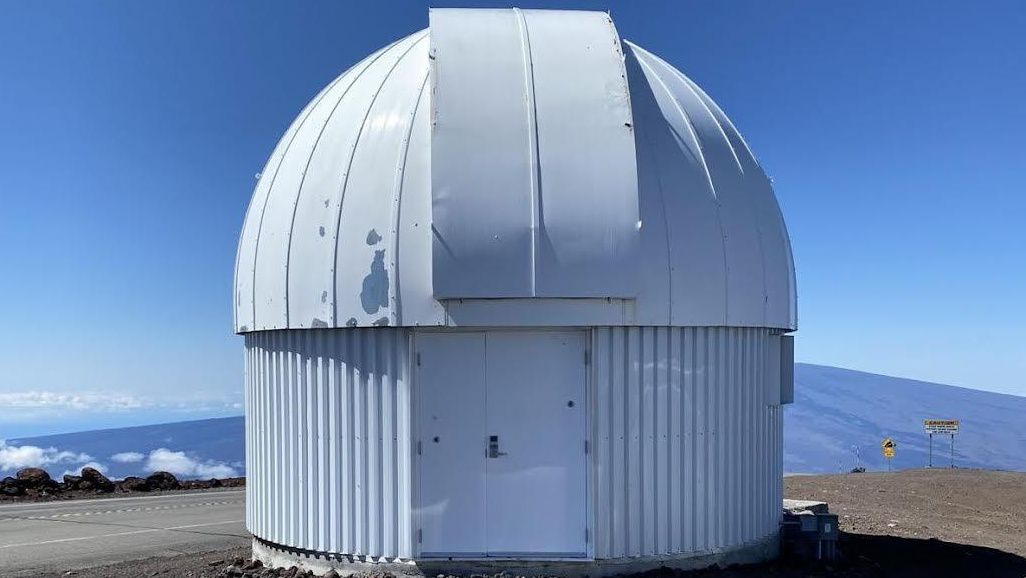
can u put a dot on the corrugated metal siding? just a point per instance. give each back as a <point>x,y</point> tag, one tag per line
<point>687,441</point>
<point>328,440</point>
<point>687,449</point>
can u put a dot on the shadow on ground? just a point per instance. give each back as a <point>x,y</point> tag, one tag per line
<point>882,556</point>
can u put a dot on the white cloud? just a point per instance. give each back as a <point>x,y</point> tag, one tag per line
<point>76,401</point>
<point>17,457</point>
<point>128,457</point>
<point>180,464</point>
<point>48,407</point>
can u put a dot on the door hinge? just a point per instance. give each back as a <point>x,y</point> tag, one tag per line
<point>420,536</point>
<point>587,447</point>
<point>587,536</point>
<point>587,357</point>
<point>418,359</point>
<point>420,448</point>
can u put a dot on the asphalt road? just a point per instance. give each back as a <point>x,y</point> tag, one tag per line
<point>61,536</point>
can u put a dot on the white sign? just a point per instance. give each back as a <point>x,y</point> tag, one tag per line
<point>941,426</point>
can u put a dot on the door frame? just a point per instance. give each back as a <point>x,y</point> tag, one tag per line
<point>587,335</point>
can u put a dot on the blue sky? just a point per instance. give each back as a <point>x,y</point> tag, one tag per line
<point>130,134</point>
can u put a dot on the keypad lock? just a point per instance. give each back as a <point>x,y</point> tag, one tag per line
<point>493,447</point>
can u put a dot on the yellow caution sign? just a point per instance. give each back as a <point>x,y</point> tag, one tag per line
<point>888,445</point>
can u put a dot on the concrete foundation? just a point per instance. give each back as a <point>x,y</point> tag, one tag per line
<point>274,555</point>
<point>796,506</point>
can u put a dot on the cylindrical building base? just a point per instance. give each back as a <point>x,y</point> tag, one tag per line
<point>276,556</point>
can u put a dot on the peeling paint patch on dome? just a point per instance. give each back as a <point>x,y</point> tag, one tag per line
<point>374,295</point>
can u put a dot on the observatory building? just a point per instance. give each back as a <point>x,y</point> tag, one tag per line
<point>514,291</point>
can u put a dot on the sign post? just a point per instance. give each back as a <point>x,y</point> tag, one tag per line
<point>941,426</point>
<point>888,445</point>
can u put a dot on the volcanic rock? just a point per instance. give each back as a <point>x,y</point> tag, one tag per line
<point>35,478</point>
<point>162,481</point>
<point>134,484</point>
<point>11,487</point>
<point>97,480</point>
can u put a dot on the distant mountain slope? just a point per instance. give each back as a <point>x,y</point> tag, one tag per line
<point>207,447</point>
<point>834,411</point>
<point>837,409</point>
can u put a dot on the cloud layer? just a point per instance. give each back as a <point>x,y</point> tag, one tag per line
<point>76,401</point>
<point>14,458</point>
<point>17,457</point>
<point>179,464</point>
<point>128,457</point>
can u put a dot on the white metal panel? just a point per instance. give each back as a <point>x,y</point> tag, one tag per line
<point>760,273</point>
<point>746,301</point>
<point>685,272</point>
<point>741,241</point>
<point>328,440</point>
<point>245,260</point>
<point>537,487</point>
<point>537,312</point>
<point>451,508</point>
<point>781,294</point>
<point>314,232</point>
<point>587,242</point>
<point>365,271</point>
<point>272,261</point>
<point>482,166</point>
<point>413,287</point>
<point>686,459</point>
<point>544,202</point>
<point>714,250</point>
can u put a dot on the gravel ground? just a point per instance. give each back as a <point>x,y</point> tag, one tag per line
<point>208,565</point>
<point>972,507</point>
<point>915,523</point>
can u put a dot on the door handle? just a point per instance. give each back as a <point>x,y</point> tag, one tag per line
<point>493,447</point>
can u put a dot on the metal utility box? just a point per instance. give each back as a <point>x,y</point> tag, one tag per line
<point>809,535</point>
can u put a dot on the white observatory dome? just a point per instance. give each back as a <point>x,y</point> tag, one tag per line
<point>461,177</point>
<point>514,291</point>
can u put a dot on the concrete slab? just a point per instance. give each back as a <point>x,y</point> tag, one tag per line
<point>796,506</point>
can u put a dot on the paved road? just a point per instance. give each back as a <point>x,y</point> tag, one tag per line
<point>59,536</point>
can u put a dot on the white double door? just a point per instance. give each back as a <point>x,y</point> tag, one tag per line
<point>502,444</point>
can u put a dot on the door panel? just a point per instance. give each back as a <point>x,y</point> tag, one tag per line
<point>535,397</point>
<point>451,394</point>
<point>525,493</point>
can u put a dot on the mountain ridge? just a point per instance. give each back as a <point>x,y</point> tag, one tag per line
<point>837,422</point>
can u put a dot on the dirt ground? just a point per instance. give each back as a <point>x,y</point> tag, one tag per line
<point>914,523</point>
<point>972,507</point>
